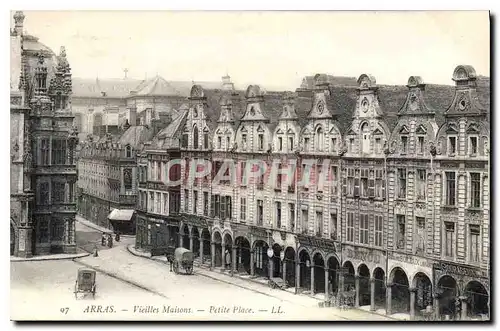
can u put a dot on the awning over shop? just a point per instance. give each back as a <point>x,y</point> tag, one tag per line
<point>123,215</point>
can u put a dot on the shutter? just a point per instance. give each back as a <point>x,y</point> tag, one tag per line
<point>356,187</point>
<point>229,207</point>
<point>344,186</point>
<point>212,206</point>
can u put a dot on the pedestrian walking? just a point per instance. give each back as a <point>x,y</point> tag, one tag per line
<point>228,259</point>
<point>170,260</point>
<point>110,241</point>
<point>117,236</point>
<point>103,239</point>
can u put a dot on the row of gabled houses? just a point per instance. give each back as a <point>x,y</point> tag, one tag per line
<point>405,224</point>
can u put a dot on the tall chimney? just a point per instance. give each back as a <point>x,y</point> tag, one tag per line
<point>18,20</point>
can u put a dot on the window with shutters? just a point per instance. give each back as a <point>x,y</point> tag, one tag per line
<point>350,227</point>
<point>401,234</point>
<point>378,230</point>
<point>421,184</point>
<point>58,192</point>
<point>260,212</point>
<point>475,189</point>
<point>449,239</point>
<point>356,183</point>
<point>223,208</point>
<point>278,215</point>
<point>319,224</point>
<point>363,229</point>
<point>243,209</point>
<point>402,183</point>
<point>59,151</point>
<point>350,182</point>
<point>474,243</point>
<point>364,183</point>
<point>450,178</point>
<point>229,207</point>
<point>291,216</point>
<point>305,221</point>
<point>205,203</point>
<point>371,184</point>
<point>420,236</point>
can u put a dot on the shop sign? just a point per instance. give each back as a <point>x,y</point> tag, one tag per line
<point>363,254</point>
<point>411,259</point>
<point>325,244</point>
<point>455,269</point>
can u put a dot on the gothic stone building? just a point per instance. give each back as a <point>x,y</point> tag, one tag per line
<point>43,169</point>
<point>402,223</point>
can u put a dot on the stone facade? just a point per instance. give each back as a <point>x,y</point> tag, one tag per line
<point>43,140</point>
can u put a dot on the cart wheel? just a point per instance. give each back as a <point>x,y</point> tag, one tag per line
<point>190,270</point>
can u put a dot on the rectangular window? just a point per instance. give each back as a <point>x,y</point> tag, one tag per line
<point>378,230</point>
<point>243,209</point>
<point>291,216</point>
<point>58,151</point>
<point>228,142</point>
<point>305,221</point>
<point>351,145</point>
<point>278,215</point>
<point>402,183</point>
<point>58,191</point>
<point>205,203</point>
<point>290,144</point>
<point>401,239</point>
<point>43,193</point>
<point>195,202</point>
<point>244,142</point>
<point>473,145</point>
<point>319,224</point>
<point>223,208</point>
<point>452,145</point>
<point>165,204</point>
<point>306,144</point>
<point>364,183</point>
<point>475,189</point>
<point>404,144</point>
<point>378,145</point>
<point>205,140</point>
<point>229,207</point>
<point>356,183</point>
<point>450,188</point>
<point>260,212</point>
<point>379,184</point>
<point>350,227</point>
<point>475,244</point>
<point>261,141</point>
<point>186,200</point>
<point>363,229</point>
<point>334,179</point>
<point>43,230</point>
<point>279,177</point>
<point>333,145</point>
<point>421,184</point>
<point>333,226</point>
<point>420,240</point>
<point>280,144</point>
<point>449,237</point>
<point>350,181</point>
<point>420,148</point>
<point>219,142</point>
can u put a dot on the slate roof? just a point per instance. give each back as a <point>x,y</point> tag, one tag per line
<point>135,136</point>
<point>169,136</point>
<point>156,86</point>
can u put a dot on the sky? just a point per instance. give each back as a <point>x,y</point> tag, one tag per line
<point>272,49</point>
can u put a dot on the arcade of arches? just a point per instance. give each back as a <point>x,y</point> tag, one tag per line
<point>314,272</point>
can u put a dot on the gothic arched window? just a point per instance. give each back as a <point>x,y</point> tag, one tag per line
<point>128,151</point>
<point>195,137</point>
<point>320,137</point>
<point>365,138</point>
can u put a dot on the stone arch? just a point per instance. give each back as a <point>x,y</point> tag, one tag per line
<point>305,265</point>
<point>217,242</point>
<point>478,299</point>
<point>447,292</point>
<point>319,265</point>
<point>349,275</point>
<point>422,285</point>
<point>185,233</point>
<point>243,248</point>
<point>363,273</point>
<point>379,278</point>
<point>400,295</point>
<point>216,232</point>
<point>289,265</point>
<point>226,233</point>
<point>261,259</point>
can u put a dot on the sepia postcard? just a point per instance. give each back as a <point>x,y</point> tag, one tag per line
<point>250,166</point>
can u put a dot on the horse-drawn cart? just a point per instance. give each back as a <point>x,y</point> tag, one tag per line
<point>183,258</point>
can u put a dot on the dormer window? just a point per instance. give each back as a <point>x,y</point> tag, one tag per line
<point>41,80</point>
<point>290,143</point>
<point>195,137</point>
<point>219,142</point>
<point>205,140</point>
<point>128,151</point>
<point>333,144</point>
<point>420,145</point>
<point>319,139</point>
<point>280,144</point>
<point>365,131</point>
<point>261,141</point>
<point>185,139</point>
<point>244,142</point>
<point>351,145</point>
<point>404,144</point>
<point>306,144</point>
<point>378,145</point>
<point>228,142</point>
<point>473,146</point>
<point>452,145</point>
